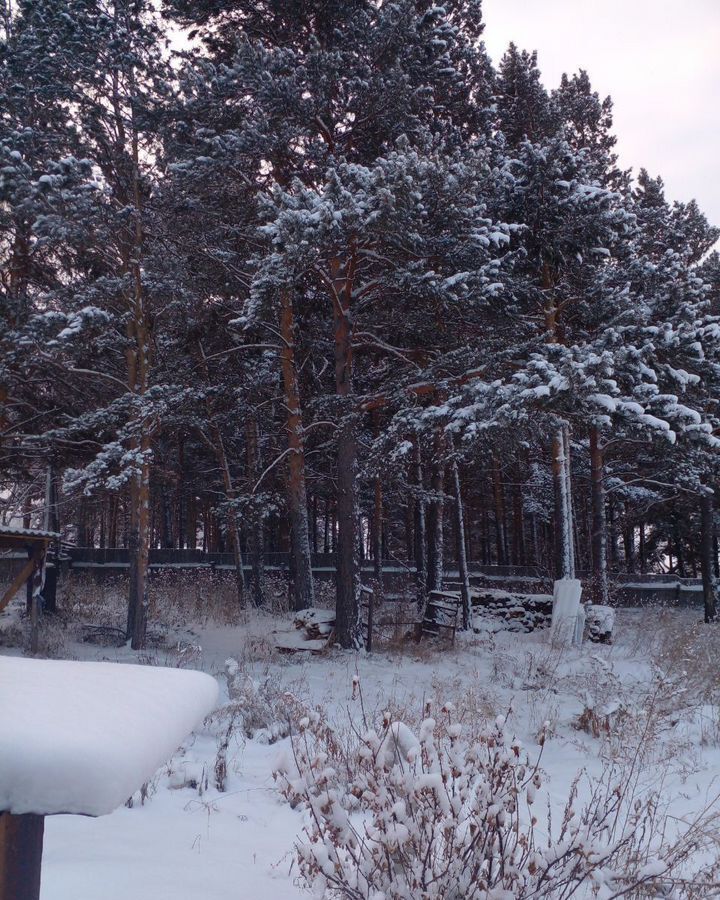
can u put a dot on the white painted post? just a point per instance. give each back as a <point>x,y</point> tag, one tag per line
<point>566,608</point>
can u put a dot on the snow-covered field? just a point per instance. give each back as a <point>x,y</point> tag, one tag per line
<point>649,701</point>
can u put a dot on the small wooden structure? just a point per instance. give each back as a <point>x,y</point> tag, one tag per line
<point>441,614</point>
<point>80,738</point>
<point>35,544</point>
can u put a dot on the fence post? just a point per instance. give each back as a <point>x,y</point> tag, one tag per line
<point>21,845</point>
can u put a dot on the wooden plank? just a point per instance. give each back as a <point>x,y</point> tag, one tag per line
<point>21,846</point>
<point>18,581</point>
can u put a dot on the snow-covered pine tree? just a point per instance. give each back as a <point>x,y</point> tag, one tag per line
<point>104,79</point>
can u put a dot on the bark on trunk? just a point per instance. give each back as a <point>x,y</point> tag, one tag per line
<point>304,592</point>
<point>137,357</point>
<point>435,556</point>
<point>499,501</point>
<point>347,618</point>
<point>139,550</point>
<point>564,545</point>
<point>420,532</point>
<point>217,446</point>
<point>643,556</point>
<point>599,582</point>
<point>462,558</point>
<point>706,555</point>
<point>629,544</point>
<point>232,523</point>
<point>256,519</point>
<point>378,531</point>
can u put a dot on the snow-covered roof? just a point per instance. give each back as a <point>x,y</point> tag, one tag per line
<point>13,531</point>
<point>81,737</point>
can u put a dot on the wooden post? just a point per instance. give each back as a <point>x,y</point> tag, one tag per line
<point>21,845</point>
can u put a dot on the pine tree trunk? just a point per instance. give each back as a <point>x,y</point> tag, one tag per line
<point>629,544</point>
<point>564,544</point>
<point>378,531</point>
<point>347,618</point>
<point>139,551</point>
<point>706,554</point>
<point>326,530</point>
<point>191,522</point>
<point>256,519</point>
<point>462,558</point>
<point>314,530</point>
<point>499,500</point>
<point>409,511</point>
<point>137,357</point>
<point>599,582</point>
<point>435,531</point>
<point>180,524</point>
<point>613,537</point>
<point>420,532</point>
<point>218,446</point>
<point>643,558</point>
<point>303,592</point>
<point>168,537</point>
<point>518,528</point>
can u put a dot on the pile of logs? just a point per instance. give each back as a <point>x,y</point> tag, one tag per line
<point>599,623</point>
<point>313,632</point>
<point>513,611</point>
<point>525,612</point>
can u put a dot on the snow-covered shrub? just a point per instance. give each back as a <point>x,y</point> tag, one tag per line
<point>258,709</point>
<point>636,718</point>
<point>432,815</point>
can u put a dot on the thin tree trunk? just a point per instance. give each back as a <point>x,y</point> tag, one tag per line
<point>420,531</point>
<point>256,518</point>
<point>643,558</point>
<point>138,366</point>
<point>435,532</point>
<point>409,511</point>
<point>612,535</point>
<point>462,558</point>
<point>347,617</point>
<point>706,554</point>
<point>180,526</point>
<point>599,582</point>
<point>304,592</point>
<point>139,549</point>
<point>168,537</point>
<point>378,530</point>
<point>191,522</point>
<point>564,544</point>
<point>217,445</point>
<point>629,544</point>
<point>326,530</point>
<point>499,501</point>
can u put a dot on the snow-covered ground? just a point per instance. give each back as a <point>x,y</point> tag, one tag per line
<point>650,699</point>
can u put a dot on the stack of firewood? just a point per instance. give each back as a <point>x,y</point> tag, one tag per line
<point>599,623</point>
<point>312,633</point>
<point>513,611</point>
<point>318,624</point>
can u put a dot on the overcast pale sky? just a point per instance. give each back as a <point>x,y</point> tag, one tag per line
<point>660,62</point>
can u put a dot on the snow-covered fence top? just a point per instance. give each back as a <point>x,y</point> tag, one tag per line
<point>81,737</point>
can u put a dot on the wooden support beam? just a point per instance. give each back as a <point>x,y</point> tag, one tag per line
<point>21,846</point>
<point>19,580</point>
